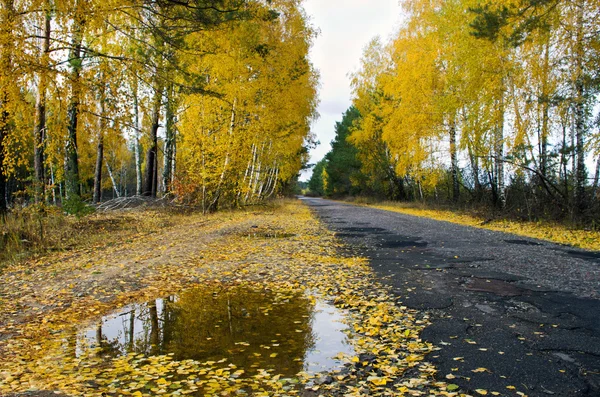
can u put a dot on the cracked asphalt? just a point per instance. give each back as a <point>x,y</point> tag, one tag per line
<point>524,314</point>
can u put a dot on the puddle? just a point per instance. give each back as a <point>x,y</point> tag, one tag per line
<point>249,327</point>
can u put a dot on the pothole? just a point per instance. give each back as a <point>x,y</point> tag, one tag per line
<point>495,287</point>
<point>522,242</point>
<point>403,244</point>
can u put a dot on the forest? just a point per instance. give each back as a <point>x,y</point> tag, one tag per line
<point>205,101</point>
<point>481,104</point>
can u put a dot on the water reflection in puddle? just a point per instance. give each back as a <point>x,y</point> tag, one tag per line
<point>249,327</point>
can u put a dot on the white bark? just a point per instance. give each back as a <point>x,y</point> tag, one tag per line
<point>112,179</point>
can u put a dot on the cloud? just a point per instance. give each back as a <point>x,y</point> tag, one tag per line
<point>333,107</point>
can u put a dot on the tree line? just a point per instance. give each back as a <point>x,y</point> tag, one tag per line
<point>477,102</point>
<point>206,100</point>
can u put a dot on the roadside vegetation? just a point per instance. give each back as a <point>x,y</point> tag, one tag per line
<point>491,109</point>
<point>206,102</point>
<point>34,231</point>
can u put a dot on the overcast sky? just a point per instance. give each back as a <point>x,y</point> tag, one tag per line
<point>346,27</point>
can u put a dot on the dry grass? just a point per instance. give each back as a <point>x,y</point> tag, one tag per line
<point>34,231</point>
<point>543,230</point>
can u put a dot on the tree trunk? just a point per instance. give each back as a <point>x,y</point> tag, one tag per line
<point>597,177</point>
<point>274,186</point>
<point>72,186</point>
<point>454,161</point>
<point>151,172</point>
<point>112,179</point>
<point>499,152</point>
<point>98,172</point>
<point>564,160</point>
<point>169,140</point>
<point>97,197</point>
<point>580,171</point>
<point>137,148</point>
<point>39,130</point>
<point>250,172</point>
<point>53,183</point>
<point>545,112</point>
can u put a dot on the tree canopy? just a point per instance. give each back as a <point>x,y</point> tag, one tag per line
<point>207,100</point>
<point>478,101</point>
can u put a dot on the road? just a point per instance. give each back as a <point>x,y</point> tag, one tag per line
<point>510,314</point>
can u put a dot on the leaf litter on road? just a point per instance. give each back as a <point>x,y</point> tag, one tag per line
<point>390,359</point>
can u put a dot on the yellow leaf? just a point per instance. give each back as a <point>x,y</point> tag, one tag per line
<point>377,380</point>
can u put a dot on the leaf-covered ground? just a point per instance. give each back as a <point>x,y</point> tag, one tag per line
<point>282,248</point>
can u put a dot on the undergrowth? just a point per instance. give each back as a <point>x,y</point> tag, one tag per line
<point>36,230</point>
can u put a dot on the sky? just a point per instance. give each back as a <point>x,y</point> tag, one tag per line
<point>346,27</point>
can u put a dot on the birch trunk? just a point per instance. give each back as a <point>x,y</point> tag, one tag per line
<point>597,177</point>
<point>136,141</point>
<point>274,186</point>
<point>112,179</point>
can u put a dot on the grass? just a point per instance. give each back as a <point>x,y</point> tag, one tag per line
<point>34,231</point>
<point>543,230</point>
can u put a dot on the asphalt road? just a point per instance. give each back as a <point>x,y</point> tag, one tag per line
<point>523,314</point>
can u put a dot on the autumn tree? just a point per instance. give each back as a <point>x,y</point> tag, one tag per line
<point>487,102</point>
